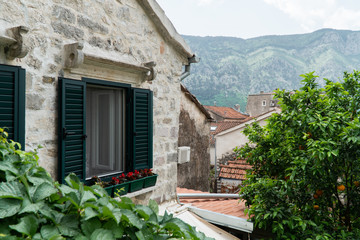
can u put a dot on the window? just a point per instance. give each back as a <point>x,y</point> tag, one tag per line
<point>104,128</point>
<point>213,128</point>
<point>105,131</point>
<point>263,103</point>
<point>12,102</point>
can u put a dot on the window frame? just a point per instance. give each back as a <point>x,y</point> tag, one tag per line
<point>138,139</point>
<point>127,138</point>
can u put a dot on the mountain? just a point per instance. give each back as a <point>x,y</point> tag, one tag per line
<point>232,68</point>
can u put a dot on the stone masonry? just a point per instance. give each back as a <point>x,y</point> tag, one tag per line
<point>120,28</point>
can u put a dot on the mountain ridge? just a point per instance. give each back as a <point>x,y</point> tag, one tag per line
<point>232,68</point>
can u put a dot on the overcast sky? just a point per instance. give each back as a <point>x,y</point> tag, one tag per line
<point>253,18</point>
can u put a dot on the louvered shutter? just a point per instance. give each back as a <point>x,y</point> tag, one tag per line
<point>143,128</point>
<point>72,128</point>
<point>12,102</point>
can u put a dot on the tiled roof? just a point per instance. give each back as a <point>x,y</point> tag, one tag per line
<point>226,112</point>
<point>235,169</point>
<point>232,207</point>
<point>222,126</point>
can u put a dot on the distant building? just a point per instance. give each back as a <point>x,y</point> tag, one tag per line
<point>260,103</point>
<point>225,118</point>
<point>225,114</point>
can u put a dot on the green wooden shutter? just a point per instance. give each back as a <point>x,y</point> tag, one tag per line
<point>143,128</point>
<point>12,102</point>
<point>72,128</point>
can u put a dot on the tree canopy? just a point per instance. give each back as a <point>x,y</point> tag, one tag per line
<point>305,181</point>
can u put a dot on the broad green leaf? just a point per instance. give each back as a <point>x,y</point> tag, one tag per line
<point>66,189</point>
<point>90,213</point>
<point>115,228</point>
<point>73,181</point>
<point>49,231</point>
<point>9,207</point>
<point>69,225</point>
<point>74,197</point>
<point>89,226</point>
<point>87,196</point>
<point>81,237</point>
<point>154,206</point>
<point>12,189</point>
<point>102,234</point>
<point>117,214</point>
<point>140,235</point>
<point>57,237</point>
<point>144,211</point>
<point>27,225</point>
<point>8,166</point>
<point>39,176</point>
<point>32,208</point>
<point>131,218</point>
<point>44,190</point>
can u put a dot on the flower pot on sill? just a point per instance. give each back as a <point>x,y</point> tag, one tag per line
<point>121,188</point>
<point>136,185</point>
<point>150,181</point>
<point>109,190</point>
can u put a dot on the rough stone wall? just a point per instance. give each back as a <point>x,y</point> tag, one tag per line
<point>194,132</point>
<point>121,28</point>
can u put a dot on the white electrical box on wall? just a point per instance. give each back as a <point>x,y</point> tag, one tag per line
<point>184,155</point>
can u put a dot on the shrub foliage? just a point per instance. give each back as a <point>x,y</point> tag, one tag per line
<point>306,163</point>
<point>33,206</point>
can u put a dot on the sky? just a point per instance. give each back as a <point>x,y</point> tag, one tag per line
<point>254,18</point>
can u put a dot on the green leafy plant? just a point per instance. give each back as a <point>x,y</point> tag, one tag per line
<point>306,163</point>
<point>33,206</point>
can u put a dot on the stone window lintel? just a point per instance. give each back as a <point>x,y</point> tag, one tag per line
<point>76,57</point>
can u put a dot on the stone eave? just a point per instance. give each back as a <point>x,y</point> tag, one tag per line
<point>165,27</point>
<point>192,98</point>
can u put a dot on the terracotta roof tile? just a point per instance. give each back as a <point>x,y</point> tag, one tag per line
<point>225,125</point>
<point>235,169</point>
<point>226,112</point>
<point>232,207</point>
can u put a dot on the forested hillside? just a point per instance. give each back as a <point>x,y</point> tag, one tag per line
<point>232,68</point>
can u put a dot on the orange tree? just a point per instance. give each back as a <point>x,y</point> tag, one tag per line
<point>306,163</point>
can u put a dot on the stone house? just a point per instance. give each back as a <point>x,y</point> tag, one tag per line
<point>96,84</point>
<point>225,118</point>
<point>260,103</point>
<point>194,132</point>
<point>232,175</point>
<point>226,140</point>
<point>223,114</point>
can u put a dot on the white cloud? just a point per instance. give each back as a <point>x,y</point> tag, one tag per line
<point>315,14</point>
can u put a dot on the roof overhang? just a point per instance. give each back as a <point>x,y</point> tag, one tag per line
<point>255,119</point>
<point>229,221</point>
<point>165,27</point>
<point>192,98</point>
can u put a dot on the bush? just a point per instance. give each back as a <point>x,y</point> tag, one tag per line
<point>33,206</point>
<point>306,163</point>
